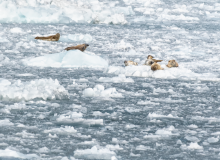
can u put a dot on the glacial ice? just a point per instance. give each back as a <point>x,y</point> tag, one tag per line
<point>72,58</point>
<point>37,11</point>
<point>76,118</point>
<point>167,73</point>
<point>121,78</point>
<point>42,88</point>
<point>100,91</point>
<point>15,154</point>
<point>94,153</point>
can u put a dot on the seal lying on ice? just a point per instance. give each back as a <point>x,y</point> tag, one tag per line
<point>55,37</point>
<point>128,63</point>
<point>172,63</point>
<point>155,66</point>
<point>150,60</point>
<point>81,47</point>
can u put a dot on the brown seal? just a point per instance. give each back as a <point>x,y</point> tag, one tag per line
<point>128,63</point>
<point>150,60</point>
<point>172,63</point>
<point>155,66</point>
<point>55,37</point>
<point>81,47</point>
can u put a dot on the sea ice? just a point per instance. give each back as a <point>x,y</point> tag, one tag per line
<point>15,154</point>
<point>94,153</point>
<point>121,78</point>
<point>100,91</point>
<point>76,118</point>
<point>42,88</point>
<point>67,130</point>
<point>72,58</point>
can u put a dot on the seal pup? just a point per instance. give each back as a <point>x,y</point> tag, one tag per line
<point>150,60</point>
<point>55,37</point>
<point>172,63</point>
<point>81,47</point>
<point>129,63</point>
<point>155,66</point>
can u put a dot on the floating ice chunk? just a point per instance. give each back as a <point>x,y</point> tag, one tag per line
<point>15,154</point>
<point>166,131</point>
<point>192,138</point>
<point>76,37</point>
<point>6,122</point>
<point>124,45</point>
<point>43,150</point>
<point>121,78</point>
<point>77,119</point>
<point>212,140</point>
<point>72,58</point>
<point>4,60</point>
<point>42,88</point>
<point>193,126</point>
<point>67,130</point>
<point>90,143</point>
<point>143,148</point>
<point>94,153</point>
<point>192,146</point>
<point>114,147</point>
<point>16,30</point>
<point>2,39</point>
<point>158,116</point>
<point>100,91</point>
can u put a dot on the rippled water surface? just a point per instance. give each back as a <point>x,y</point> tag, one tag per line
<point>114,112</point>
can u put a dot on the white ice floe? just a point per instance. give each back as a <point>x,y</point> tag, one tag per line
<point>42,88</point>
<point>76,118</point>
<point>6,122</point>
<point>100,91</point>
<point>167,73</point>
<point>72,58</point>
<point>167,131</point>
<point>158,116</point>
<point>192,146</point>
<point>3,59</point>
<point>192,139</point>
<point>121,78</point>
<point>65,11</point>
<point>67,130</point>
<point>94,153</point>
<point>143,148</point>
<point>213,140</point>
<point>16,30</point>
<point>3,39</point>
<point>15,154</point>
<point>74,38</point>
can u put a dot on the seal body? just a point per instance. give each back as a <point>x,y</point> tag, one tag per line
<point>155,66</point>
<point>150,60</point>
<point>129,63</point>
<point>172,63</point>
<point>81,47</point>
<point>55,37</point>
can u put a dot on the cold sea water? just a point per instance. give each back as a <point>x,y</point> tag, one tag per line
<point>71,105</point>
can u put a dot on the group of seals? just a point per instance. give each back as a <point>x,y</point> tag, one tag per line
<point>153,63</point>
<point>56,37</point>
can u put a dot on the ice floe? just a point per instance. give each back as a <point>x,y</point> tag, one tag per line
<point>95,153</point>
<point>76,38</point>
<point>72,58</point>
<point>121,78</point>
<point>88,11</point>
<point>15,154</point>
<point>167,73</point>
<point>76,118</point>
<point>67,130</point>
<point>100,91</point>
<point>42,88</point>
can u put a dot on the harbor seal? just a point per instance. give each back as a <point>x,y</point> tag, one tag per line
<point>55,37</point>
<point>81,47</point>
<point>155,66</point>
<point>172,63</point>
<point>129,63</point>
<point>151,61</point>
